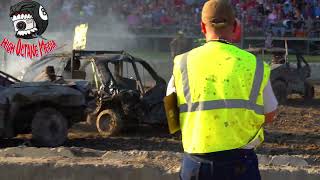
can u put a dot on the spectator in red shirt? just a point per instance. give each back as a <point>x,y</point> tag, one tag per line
<point>178,3</point>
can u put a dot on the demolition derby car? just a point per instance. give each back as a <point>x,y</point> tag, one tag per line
<point>127,90</point>
<point>288,76</point>
<point>45,109</point>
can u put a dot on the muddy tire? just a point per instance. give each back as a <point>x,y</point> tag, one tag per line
<point>109,123</point>
<point>308,92</point>
<point>49,128</point>
<point>280,91</point>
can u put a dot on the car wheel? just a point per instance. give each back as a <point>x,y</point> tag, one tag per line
<point>280,91</point>
<point>49,128</point>
<point>308,91</point>
<point>109,122</point>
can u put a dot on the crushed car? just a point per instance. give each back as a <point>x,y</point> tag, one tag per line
<point>127,89</point>
<point>288,76</point>
<point>45,109</point>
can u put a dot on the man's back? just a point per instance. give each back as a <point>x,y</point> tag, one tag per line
<point>220,63</point>
<point>219,88</point>
<point>222,95</point>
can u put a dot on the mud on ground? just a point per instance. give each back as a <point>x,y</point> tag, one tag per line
<point>296,131</point>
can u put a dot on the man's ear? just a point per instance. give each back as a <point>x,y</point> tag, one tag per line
<point>203,28</point>
<point>236,37</point>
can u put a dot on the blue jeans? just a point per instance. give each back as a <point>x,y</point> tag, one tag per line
<point>225,165</point>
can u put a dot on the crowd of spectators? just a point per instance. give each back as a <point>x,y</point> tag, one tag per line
<point>140,16</point>
<point>279,17</point>
<point>299,18</point>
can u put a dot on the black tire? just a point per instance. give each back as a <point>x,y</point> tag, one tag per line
<point>109,122</point>
<point>280,91</point>
<point>49,128</point>
<point>308,91</point>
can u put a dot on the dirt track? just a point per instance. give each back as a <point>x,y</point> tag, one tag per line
<point>296,131</point>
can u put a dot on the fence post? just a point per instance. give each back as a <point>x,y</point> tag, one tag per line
<point>242,31</point>
<point>308,46</point>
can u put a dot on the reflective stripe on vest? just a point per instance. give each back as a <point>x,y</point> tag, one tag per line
<point>224,103</point>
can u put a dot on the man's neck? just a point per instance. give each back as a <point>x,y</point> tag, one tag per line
<point>212,37</point>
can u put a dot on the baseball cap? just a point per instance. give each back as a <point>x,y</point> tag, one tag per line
<point>218,13</point>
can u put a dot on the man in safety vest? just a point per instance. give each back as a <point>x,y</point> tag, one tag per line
<point>224,98</point>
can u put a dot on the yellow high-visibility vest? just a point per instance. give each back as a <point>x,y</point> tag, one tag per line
<point>220,97</point>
